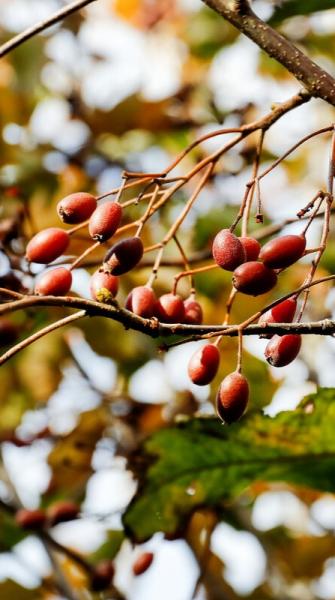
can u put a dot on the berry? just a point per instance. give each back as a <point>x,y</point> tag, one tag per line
<point>141,301</point>
<point>254,278</point>
<point>30,519</point>
<point>124,255</point>
<point>104,286</point>
<point>227,250</point>
<point>251,247</point>
<point>47,245</point>
<point>76,208</point>
<point>56,282</point>
<point>281,313</point>
<point>105,221</point>
<point>204,364</point>
<point>232,397</point>
<point>62,511</point>
<point>283,251</point>
<point>193,312</point>
<point>142,563</point>
<point>8,332</point>
<point>282,350</point>
<point>102,576</point>
<point>169,308</point>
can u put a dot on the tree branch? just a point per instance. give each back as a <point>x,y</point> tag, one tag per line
<point>35,29</point>
<point>316,80</point>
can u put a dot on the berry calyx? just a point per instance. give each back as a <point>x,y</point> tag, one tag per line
<point>124,255</point>
<point>193,312</point>
<point>47,245</point>
<point>30,519</point>
<point>281,313</point>
<point>142,563</point>
<point>232,397</point>
<point>254,278</point>
<point>62,511</point>
<point>169,308</point>
<point>251,247</point>
<point>283,251</point>
<point>141,301</point>
<point>76,208</point>
<point>105,221</point>
<point>227,250</point>
<point>56,282</point>
<point>103,286</point>
<point>282,350</point>
<point>204,364</point>
<point>102,576</point>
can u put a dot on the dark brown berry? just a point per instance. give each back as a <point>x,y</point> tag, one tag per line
<point>105,221</point>
<point>62,511</point>
<point>141,301</point>
<point>142,563</point>
<point>104,286</point>
<point>47,245</point>
<point>193,312</point>
<point>251,247</point>
<point>227,250</point>
<point>124,255</point>
<point>76,208</point>
<point>102,576</point>
<point>281,313</point>
<point>30,519</point>
<point>204,364</point>
<point>56,282</point>
<point>254,278</point>
<point>169,308</point>
<point>9,332</point>
<point>283,251</point>
<point>232,397</point>
<point>282,350</point>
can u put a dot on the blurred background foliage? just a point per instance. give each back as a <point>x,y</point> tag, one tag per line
<point>127,84</point>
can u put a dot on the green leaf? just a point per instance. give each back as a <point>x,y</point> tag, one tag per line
<point>110,547</point>
<point>291,8</point>
<point>201,462</point>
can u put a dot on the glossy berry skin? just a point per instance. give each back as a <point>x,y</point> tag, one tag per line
<point>227,250</point>
<point>124,255</point>
<point>283,251</point>
<point>232,397</point>
<point>30,519</point>
<point>62,511</point>
<point>56,282</point>
<point>103,286</point>
<point>105,221</point>
<point>251,247</point>
<point>9,332</point>
<point>141,301</point>
<point>254,278</point>
<point>282,350</point>
<point>102,576</point>
<point>281,313</point>
<point>193,312</point>
<point>47,245</point>
<point>204,364</point>
<point>76,208</point>
<point>142,563</point>
<point>169,308</point>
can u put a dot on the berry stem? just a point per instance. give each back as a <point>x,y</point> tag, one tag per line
<point>250,196</point>
<point>192,272</point>
<point>86,252</point>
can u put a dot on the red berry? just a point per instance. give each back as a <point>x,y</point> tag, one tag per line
<point>62,511</point>
<point>282,350</point>
<point>102,576</point>
<point>193,312</point>
<point>232,397</point>
<point>227,250</point>
<point>169,308</point>
<point>251,247</point>
<point>105,221</point>
<point>141,301</point>
<point>104,286</point>
<point>281,313</point>
<point>9,332</point>
<point>283,251</point>
<point>124,255</point>
<point>142,563</point>
<point>254,278</point>
<point>56,282</point>
<point>204,364</point>
<point>30,519</point>
<point>47,245</point>
<point>76,208</point>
